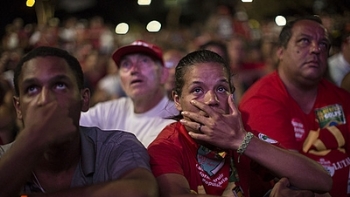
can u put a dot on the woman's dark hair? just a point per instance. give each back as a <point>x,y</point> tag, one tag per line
<point>50,51</point>
<point>213,43</point>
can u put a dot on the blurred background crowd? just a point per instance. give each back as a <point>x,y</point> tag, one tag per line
<point>244,33</point>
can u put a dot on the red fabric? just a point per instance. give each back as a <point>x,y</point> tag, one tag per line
<point>252,66</point>
<point>174,151</point>
<point>268,108</point>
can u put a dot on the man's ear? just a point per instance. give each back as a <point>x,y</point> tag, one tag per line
<point>17,106</point>
<point>279,53</point>
<point>176,99</point>
<point>85,97</point>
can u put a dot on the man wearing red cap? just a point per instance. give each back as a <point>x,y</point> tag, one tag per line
<point>143,111</point>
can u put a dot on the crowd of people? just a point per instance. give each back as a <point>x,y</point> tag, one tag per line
<point>220,113</point>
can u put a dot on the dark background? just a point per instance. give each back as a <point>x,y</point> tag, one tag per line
<point>116,11</point>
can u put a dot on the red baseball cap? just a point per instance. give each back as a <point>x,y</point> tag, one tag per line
<point>138,46</point>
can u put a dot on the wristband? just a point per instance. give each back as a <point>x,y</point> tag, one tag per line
<point>244,144</point>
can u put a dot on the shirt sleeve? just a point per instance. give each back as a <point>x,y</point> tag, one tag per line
<point>164,159</point>
<point>269,116</point>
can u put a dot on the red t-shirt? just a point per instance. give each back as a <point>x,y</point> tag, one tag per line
<point>174,151</point>
<point>322,134</point>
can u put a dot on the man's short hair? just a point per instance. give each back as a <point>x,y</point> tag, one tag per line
<point>286,32</point>
<point>44,51</point>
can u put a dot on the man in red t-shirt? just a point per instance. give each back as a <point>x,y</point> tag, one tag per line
<point>300,109</point>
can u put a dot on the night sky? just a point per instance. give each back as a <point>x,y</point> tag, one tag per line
<point>116,11</point>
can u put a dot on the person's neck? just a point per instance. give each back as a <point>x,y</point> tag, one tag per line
<point>303,93</point>
<point>144,104</point>
<point>57,166</point>
<point>61,157</point>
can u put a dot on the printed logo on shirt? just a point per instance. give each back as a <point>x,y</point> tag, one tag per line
<point>342,164</point>
<point>331,115</point>
<point>210,161</point>
<point>267,139</point>
<point>299,130</point>
<point>219,181</point>
<point>327,165</point>
<point>216,169</point>
<point>315,145</point>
